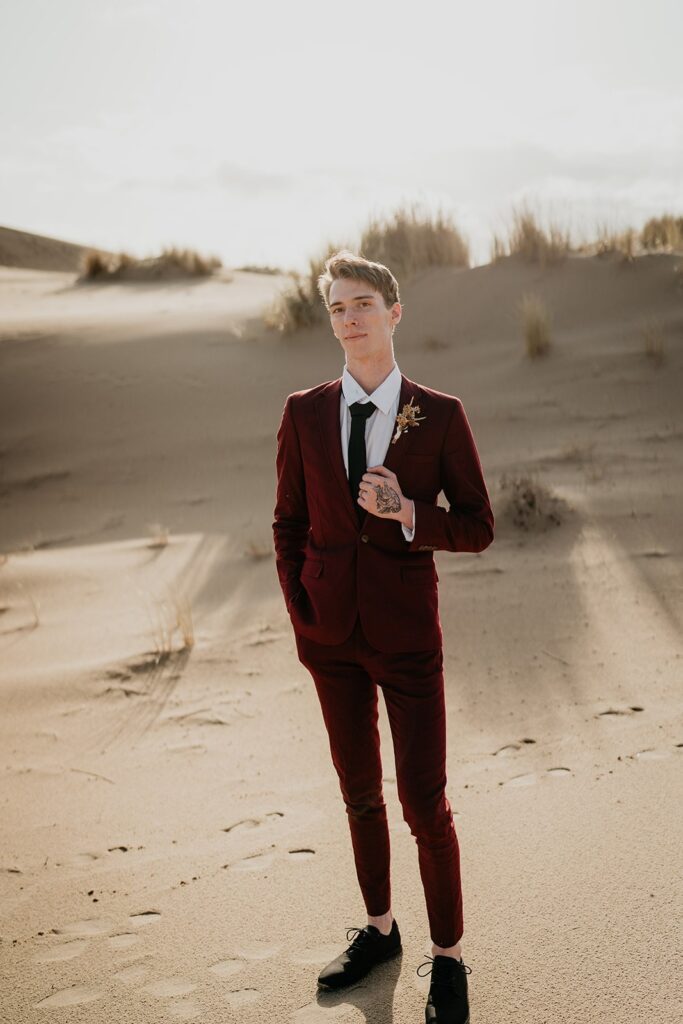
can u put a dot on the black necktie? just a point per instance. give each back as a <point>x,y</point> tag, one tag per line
<point>360,411</point>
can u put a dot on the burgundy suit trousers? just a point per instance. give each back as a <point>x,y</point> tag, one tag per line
<point>346,678</point>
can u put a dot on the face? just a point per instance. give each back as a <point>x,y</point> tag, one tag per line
<point>360,320</point>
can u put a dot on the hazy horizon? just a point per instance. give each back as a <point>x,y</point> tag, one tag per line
<point>262,134</point>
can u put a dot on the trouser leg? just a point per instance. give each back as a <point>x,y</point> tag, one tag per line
<point>413,688</point>
<point>348,700</point>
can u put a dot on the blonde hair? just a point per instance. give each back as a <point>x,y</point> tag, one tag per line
<point>348,265</point>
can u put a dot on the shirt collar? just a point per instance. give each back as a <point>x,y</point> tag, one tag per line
<point>383,396</point>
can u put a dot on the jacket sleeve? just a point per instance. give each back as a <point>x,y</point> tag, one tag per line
<point>291,523</point>
<point>467,524</point>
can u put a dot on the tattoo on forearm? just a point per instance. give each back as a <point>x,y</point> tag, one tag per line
<point>387,499</point>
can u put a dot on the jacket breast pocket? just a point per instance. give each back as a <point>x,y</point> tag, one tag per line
<point>419,574</point>
<point>420,471</point>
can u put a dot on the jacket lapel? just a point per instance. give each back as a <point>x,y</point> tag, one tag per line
<point>396,451</point>
<point>329,416</point>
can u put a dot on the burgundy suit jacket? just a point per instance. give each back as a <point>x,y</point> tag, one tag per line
<point>331,568</point>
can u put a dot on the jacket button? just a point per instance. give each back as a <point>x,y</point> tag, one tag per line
<point>364,537</point>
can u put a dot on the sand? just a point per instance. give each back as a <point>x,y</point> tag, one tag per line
<point>174,843</point>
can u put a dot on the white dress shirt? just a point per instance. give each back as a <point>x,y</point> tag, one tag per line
<point>379,426</point>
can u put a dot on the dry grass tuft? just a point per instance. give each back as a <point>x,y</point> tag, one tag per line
<point>171,617</point>
<point>183,619</point>
<point>610,242</point>
<point>407,242</point>
<point>658,234</point>
<point>662,233</point>
<point>536,325</point>
<point>653,341</point>
<point>172,263</point>
<point>529,505</point>
<point>95,264</point>
<point>258,268</point>
<point>534,243</point>
<point>499,249</point>
<point>300,304</point>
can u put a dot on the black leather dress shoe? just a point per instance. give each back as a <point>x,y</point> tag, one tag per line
<point>369,947</point>
<point>447,1001</point>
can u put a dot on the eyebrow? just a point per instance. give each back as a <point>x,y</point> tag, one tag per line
<point>354,299</point>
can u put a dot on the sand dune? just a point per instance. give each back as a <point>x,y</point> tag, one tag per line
<point>38,252</point>
<point>174,840</point>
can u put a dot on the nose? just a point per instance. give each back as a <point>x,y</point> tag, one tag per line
<point>350,317</point>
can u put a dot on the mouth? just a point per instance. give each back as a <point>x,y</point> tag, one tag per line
<point>352,337</point>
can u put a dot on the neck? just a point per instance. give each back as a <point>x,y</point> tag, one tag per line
<point>370,373</point>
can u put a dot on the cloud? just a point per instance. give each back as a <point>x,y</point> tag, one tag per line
<point>235,178</point>
<point>253,182</point>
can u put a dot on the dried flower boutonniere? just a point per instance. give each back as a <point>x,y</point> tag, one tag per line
<point>407,418</point>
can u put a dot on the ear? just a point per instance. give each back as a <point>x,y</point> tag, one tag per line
<point>396,313</point>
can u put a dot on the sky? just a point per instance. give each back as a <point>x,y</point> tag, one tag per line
<point>264,131</point>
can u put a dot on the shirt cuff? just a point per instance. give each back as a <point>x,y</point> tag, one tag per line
<point>409,532</point>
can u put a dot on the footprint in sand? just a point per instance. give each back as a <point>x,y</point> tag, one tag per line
<point>226,968</point>
<point>188,748</point>
<point>256,862</point>
<point>249,823</point>
<point>87,857</point>
<point>242,997</point>
<point>512,748</point>
<point>244,824</point>
<point>146,917</point>
<point>82,858</point>
<point>303,854</point>
<point>260,861</point>
<point>91,926</point>
<point>520,780</point>
<point>625,709</point>
<point>123,941</point>
<point>507,750</point>
<point>530,777</point>
<point>67,951</point>
<point>165,987</point>
<point>184,1009</point>
<point>315,956</point>
<point>74,996</point>
<point>314,1013</point>
<point>133,973</point>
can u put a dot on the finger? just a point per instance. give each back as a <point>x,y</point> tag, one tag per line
<point>380,469</point>
<point>378,478</point>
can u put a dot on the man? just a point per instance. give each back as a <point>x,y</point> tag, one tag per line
<point>361,461</point>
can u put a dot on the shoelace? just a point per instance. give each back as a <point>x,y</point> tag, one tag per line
<point>451,982</point>
<point>362,936</point>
